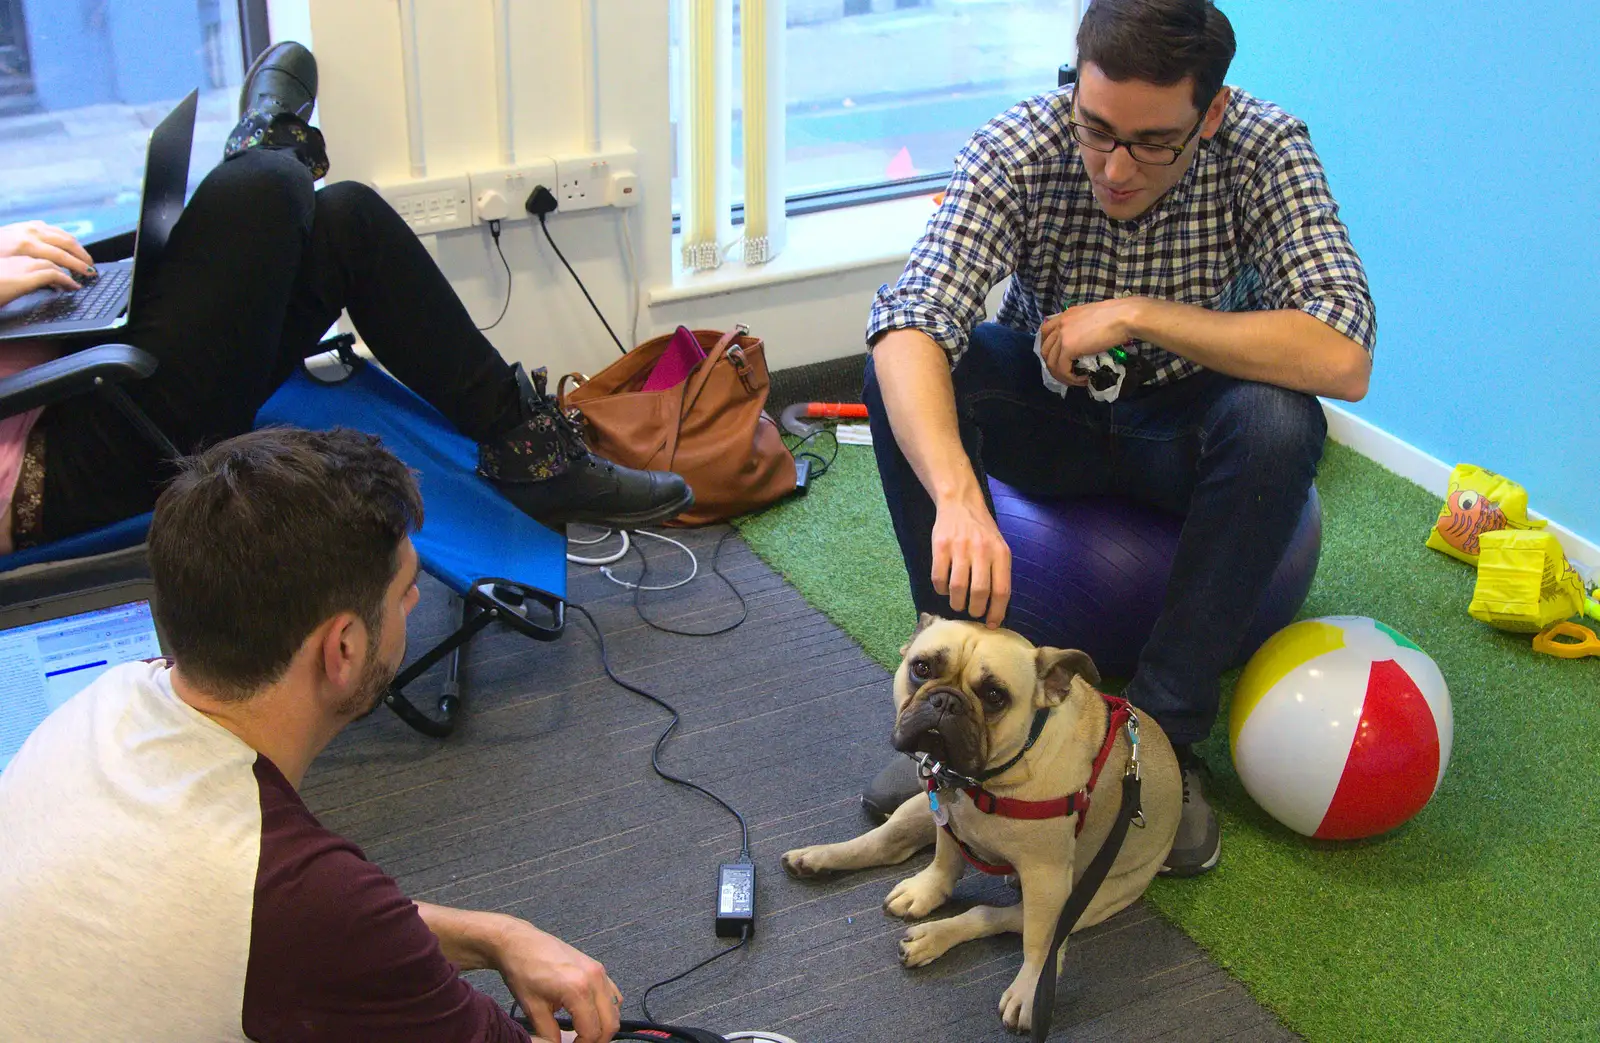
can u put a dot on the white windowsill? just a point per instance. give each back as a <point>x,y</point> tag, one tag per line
<point>828,243</point>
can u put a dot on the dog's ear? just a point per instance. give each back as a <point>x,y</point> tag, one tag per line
<point>924,621</point>
<point>1057,667</point>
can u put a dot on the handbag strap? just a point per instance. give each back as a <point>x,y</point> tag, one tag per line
<point>739,330</point>
<point>727,346</point>
<point>697,383</point>
<point>578,380</point>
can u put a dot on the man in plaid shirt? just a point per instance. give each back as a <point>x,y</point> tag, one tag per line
<point>1149,209</point>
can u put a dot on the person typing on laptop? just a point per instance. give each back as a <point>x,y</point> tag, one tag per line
<point>37,256</point>
<point>260,264</point>
<point>160,877</point>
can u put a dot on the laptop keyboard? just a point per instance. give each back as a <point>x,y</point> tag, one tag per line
<point>101,298</point>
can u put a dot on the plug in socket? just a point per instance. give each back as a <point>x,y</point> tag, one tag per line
<point>508,186</point>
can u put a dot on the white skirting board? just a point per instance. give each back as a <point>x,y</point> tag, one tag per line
<point>1407,461</point>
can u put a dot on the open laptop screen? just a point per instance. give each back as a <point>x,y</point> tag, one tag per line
<point>44,664</point>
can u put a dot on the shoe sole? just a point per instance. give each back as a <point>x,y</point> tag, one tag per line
<point>874,812</point>
<point>1204,867</point>
<point>627,521</point>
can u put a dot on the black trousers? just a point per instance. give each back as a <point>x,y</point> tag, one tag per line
<point>1236,458</point>
<point>257,268</point>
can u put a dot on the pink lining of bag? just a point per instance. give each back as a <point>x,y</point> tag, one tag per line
<point>677,362</point>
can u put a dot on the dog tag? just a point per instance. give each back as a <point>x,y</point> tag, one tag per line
<point>941,814</point>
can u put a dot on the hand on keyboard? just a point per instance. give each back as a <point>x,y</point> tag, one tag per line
<point>46,243</point>
<point>22,275</point>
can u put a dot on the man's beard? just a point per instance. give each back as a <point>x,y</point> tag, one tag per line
<point>376,676</point>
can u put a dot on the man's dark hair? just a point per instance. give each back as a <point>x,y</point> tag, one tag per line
<point>262,538</point>
<point>1159,42</point>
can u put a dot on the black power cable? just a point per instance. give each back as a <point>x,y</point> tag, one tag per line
<point>716,566</point>
<point>494,230</point>
<point>644,1001</point>
<point>655,752</point>
<point>615,339</point>
<point>800,452</point>
<point>655,762</point>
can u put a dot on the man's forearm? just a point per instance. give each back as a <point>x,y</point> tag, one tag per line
<point>471,940</point>
<point>1288,348</point>
<point>919,395</point>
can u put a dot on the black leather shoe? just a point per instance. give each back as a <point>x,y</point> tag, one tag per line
<point>598,492</point>
<point>282,79</point>
<point>544,467</point>
<point>894,785</point>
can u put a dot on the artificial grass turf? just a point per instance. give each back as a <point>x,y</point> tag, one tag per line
<point>1479,919</point>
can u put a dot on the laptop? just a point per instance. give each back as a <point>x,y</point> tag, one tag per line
<point>52,647</point>
<point>102,303</point>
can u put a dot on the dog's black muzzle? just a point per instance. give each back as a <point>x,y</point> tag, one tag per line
<point>941,724</point>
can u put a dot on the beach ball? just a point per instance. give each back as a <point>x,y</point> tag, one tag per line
<point>1340,727</point>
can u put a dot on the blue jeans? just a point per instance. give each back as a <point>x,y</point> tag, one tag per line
<point>1236,458</point>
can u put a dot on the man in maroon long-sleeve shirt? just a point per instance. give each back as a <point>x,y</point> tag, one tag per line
<point>160,878</point>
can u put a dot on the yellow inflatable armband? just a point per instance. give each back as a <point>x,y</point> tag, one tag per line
<point>1524,582</point>
<point>1478,501</point>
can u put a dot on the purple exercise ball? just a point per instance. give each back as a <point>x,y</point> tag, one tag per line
<point>1092,574</point>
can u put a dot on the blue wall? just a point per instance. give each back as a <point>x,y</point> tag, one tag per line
<point>1463,144</point>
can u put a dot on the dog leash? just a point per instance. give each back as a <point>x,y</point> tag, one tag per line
<point>1044,993</point>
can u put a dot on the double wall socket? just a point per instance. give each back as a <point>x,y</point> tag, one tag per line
<point>603,179</point>
<point>499,195</point>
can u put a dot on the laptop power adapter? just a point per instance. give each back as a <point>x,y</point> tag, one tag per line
<point>736,899</point>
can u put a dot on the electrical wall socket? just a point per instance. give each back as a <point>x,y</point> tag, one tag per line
<point>585,181</point>
<point>499,195</point>
<point>434,205</point>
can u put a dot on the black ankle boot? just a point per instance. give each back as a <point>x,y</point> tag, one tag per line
<point>283,78</point>
<point>278,96</point>
<point>544,467</point>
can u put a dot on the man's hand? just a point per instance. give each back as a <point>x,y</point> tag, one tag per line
<point>544,973</point>
<point>1081,331</point>
<point>23,275</point>
<point>45,243</point>
<point>971,562</point>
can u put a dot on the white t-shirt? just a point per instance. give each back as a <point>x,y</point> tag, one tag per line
<point>161,881</point>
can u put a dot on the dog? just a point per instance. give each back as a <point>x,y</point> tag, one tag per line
<point>969,697</point>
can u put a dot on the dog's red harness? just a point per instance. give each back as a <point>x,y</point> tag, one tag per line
<point>1010,807</point>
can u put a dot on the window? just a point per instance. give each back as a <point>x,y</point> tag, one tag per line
<point>81,86</point>
<point>879,91</point>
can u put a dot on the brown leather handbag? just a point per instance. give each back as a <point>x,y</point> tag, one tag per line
<point>710,428</point>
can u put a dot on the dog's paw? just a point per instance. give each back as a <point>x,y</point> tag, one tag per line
<point>1016,1003</point>
<point>804,862</point>
<point>922,944</point>
<point>915,897</point>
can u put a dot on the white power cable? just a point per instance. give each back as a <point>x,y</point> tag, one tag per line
<point>607,559</point>
<point>694,566</point>
<point>611,559</point>
<point>760,1037</point>
<point>633,276</point>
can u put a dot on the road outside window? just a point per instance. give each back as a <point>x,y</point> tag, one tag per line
<point>82,84</point>
<point>880,90</point>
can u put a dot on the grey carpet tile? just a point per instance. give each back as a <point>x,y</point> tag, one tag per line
<point>543,805</point>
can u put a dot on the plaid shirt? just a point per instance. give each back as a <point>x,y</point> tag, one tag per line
<point>1251,226</point>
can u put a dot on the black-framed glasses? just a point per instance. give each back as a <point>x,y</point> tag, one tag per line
<point>1146,152</point>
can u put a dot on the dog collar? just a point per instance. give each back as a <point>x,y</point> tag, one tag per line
<point>1122,716</point>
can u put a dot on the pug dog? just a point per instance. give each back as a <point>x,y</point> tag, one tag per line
<point>967,696</point>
